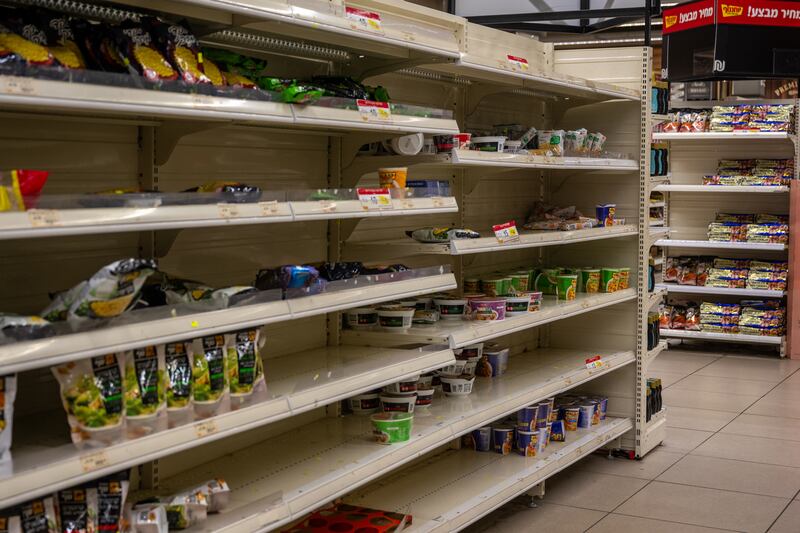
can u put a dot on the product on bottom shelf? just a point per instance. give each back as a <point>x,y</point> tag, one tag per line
<point>343,517</point>
<point>749,317</point>
<point>439,235</point>
<point>760,228</point>
<point>654,400</point>
<point>8,392</point>
<point>145,389</point>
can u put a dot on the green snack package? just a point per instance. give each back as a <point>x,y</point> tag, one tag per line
<point>145,382</point>
<point>209,375</point>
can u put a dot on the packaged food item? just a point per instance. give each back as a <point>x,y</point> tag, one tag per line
<point>10,521</point>
<point>61,41</point>
<point>20,188</point>
<point>352,518</point>
<point>112,290</point>
<point>217,493</point>
<point>595,142</point>
<point>17,46</point>
<point>77,509</point>
<point>23,328</point>
<point>92,394</point>
<point>179,362</point>
<point>179,291</point>
<point>671,269</point>
<point>138,49</point>
<point>39,516</point>
<point>146,384</point>
<point>209,374</point>
<point>692,318</point>
<point>8,392</point>
<point>245,367</point>
<point>186,509</point>
<point>665,316</point>
<point>181,48</point>
<point>437,235</point>
<point>575,141</point>
<point>150,518</point>
<point>286,277</point>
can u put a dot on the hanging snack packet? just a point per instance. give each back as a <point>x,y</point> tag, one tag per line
<point>209,375</point>
<point>91,391</point>
<point>138,50</point>
<point>186,509</point>
<point>39,516</point>
<point>181,48</point>
<point>112,492</point>
<point>77,510</point>
<point>112,290</point>
<point>8,391</point>
<point>245,369</point>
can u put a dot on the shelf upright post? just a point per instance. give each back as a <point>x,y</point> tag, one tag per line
<point>644,252</point>
<point>148,181</point>
<point>792,347</point>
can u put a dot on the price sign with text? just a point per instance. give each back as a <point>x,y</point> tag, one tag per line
<point>372,199</point>
<point>594,363</point>
<point>506,232</point>
<point>41,218</point>
<point>372,111</point>
<point>362,19</point>
<point>518,63</point>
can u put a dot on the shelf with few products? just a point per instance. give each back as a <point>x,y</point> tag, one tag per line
<point>295,383</point>
<point>150,215</point>
<point>721,245</point>
<point>724,337</point>
<point>338,454</point>
<point>674,288</point>
<point>656,429</point>
<point>722,135</point>
<point>756,189</point>
<point>168,323</point>
<point>461,486</point>
<point>460,333</point>
<point>527,239</point>
<point>656,296</point>
<point>653,353</point>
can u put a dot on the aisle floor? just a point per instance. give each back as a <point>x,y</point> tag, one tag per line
<point>730,462</point>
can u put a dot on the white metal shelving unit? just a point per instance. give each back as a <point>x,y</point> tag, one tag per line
<point>294,452</point>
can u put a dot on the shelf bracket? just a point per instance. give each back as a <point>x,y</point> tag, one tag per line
<point>381,66</point>
<point>534,493</point>
<point>169,134</point>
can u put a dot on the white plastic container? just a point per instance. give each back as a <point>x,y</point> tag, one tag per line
<point>406,386</point>
<point>456,385</point>
<point>362,317</point>
<point>455,369</point>
<point>364,404</point>
<point>424,397</point>
<point>391,403</point>
<point>488,144</point>
<point>512,147</point>
<point>451,309</point>
<point>399,318</point>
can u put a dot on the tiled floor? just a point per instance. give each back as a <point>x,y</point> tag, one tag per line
<point>730,462</point>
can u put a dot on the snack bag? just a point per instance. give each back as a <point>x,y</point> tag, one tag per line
<point>181,48</point>
<point>20,43</point>
<point>112,290</point>
<point>8,391</point>
<point>138,50</point>
<point>77,510</point>
<point>186,509</point>
<point>39,516</point>
<point>145,389</point>
<point>10,521</point>
<point>61,41</point>
<point>209,375</point>
<point>92,395</point>
<point>19,189</point>
<point>245,369</point>
<point>179,291</point>
<point>23,328</point>
<point>58,309</point>
<point>98,46</point>
<point>179,362</point>
<point>112,492</point>
<point>213,73</point>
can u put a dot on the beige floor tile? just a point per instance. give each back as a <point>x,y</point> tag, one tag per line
<point>724,385</point>
<point>739,476</point>
<point>755,449</point>
<point>701,419</point>
<point>789,521</point>
<point>681,362</point>
<point>758,369</point>
<point>775,406</point>
<point>649,467</point>
<point>667,378</point>
<point>787,391</point>
<point>516,516</point>
<point>590,490</point>
<point>764,426</point>
<point>617,523</point>
<point>715,401</point>
<point>683,440</point>
<point>704,507</point>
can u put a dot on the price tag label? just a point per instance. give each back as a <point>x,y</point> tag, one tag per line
<point>327,206</point>
<point>372,111</point>
<point>361,19</point>
<point>269,208</point>
<point>438,201</point>
<point>506,232</point>
<point>518,63</point>
<point>93,461</point>
<point>407,203</point>
<point>204,429</point>
<point>375,199</point>
<point>595,363</point>
<point>42,218</point>
<point>228,210</point>
<point>19,86</point>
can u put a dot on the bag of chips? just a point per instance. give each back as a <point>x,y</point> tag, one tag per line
<point>181,48</point>
<point>112,290</point>
<point>138,49</point>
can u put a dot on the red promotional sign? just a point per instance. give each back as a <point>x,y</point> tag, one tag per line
<point>758,13</point>
<point>688,16</point>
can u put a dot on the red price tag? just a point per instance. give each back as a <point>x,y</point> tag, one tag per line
<point>371,111</point>
<point>594,363</point>
<point>362,19</point>
<point>506,232</point>
<point>518,63</point>
<point>372,199</point>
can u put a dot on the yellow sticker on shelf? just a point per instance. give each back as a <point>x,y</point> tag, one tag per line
<point>94,461</point>
<point>228,210</point>
<point>43,218</point>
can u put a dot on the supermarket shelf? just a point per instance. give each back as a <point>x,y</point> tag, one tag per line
<point>717,245</point>
<point>338,454</point>
<point>533,239</point>
<point>460,333</point>
<point>659,179</point>
<point>656,204</point>
<point>656,296</point>
<point>655,432</point>
<point>31,94</point>
<point>461,486</point>
<point>721,135</point>
<point>296,383</point>
<point>658,260</point>
<point>656,223</point>
<point>474,158</point>
<point>694,289</point>
<point>721,188</point>
<point>659,117</point>
<point>166,327</point>
<point>651,355</point>
<point>62,222</point>
<point>725,337</point>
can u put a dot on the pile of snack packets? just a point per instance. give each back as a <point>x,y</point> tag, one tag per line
<point>752,172</point>
<point>727,273</point>
<point>744,227</point>
<point>728,118</point>
<point>749,317</point>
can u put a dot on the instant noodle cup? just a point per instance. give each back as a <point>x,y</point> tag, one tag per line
<point>624,278</point>
<point>586,414</point>
<point>526,417</point>
<point>471,366</point>
<point>589,280</point>
<point>519,282</point>
<point>596,413</point>
<point>406,386</point>
<point>395,318</point>
<point>482,439</point>
<point>451,309</point>
<point>493,286</point>
<point>605,214</point>
<point>527,442</point>
<point>571,416</point>
<point>609,279</point>
<point>454,369</point>
<point>424,397</point>
<point>542,414</point>
<point>542,439</point>
<point>393,177</point>
<point>518,305</point>
<point>397,403</point>
<point>473,350</point>
<point>566,285</point>
<point>503,440</point>
<point>488,309</point>
<point>390,428</point>
<point>364,404</point>
<point>546,281</point>
<point>472,285</point>
<point>602,404</point>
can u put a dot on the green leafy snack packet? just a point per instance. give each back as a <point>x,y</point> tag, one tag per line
<point>39,516</point>
<point>77,510</point>
<point>145,390</point>
<point>245,367</point>
<point>209,375</point>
